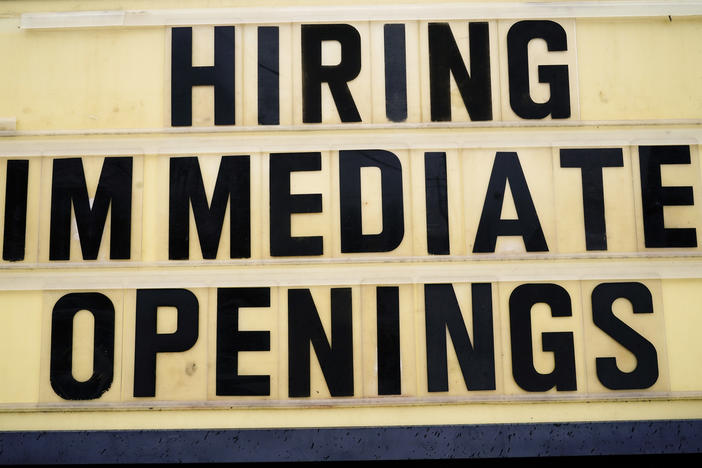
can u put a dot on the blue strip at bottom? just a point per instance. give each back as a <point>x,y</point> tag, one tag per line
<point>343,444</point>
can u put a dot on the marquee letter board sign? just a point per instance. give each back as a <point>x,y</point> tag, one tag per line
<point>361,215</point>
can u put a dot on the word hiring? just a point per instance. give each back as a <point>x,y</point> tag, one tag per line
<point>442,316</point>
<point>444,60</point>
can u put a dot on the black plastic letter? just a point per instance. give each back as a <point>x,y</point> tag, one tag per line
<point>388,322</point>
<point>654,196</point>
<point>445,59</point>
<point>304,327</point>
<point>148,342</point>
<point>61,366</point>
<point>268,75</point>
<point>186,188</point>
<point>15,210</point>
<point>508,169</point>
<point>437,203</point>
<point>442,314</point>
<point>646,372</point>
<point>231,340</point>
<point>352,237</point>
<point>114,188</point>
<point>395,72</point>
<point>184,76</point>
<point>522,299</point>
<point>591,161</point>
<point>518,38</point>
<point>336,76</point>
<point>283,204</point>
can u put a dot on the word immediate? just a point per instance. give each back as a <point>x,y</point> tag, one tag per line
<point>69,199</point>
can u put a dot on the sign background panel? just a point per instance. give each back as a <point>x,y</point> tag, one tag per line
<point>635,69</point>
<point>21,342</point>
<point>684,306</point>
<point>125,90</point>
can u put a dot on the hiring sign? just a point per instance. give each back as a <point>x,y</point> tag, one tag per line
<point>340,206</point>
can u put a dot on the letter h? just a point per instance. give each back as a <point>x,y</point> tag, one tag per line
<point>184,76</point>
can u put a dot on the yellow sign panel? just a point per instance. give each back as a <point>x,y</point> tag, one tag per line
<point>252,211</point>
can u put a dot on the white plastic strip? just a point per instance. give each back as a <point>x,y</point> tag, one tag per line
<point>355,126</point>
<point>349,274</point>
<point>432,399</point>
<point>8,124</point>
<point>507,10</point>
<point>397,138</point>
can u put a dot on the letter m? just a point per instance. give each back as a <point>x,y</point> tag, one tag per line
<point>232,188</point>
<point>114,191</point>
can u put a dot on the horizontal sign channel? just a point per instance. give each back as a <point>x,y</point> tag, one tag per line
<point>353,205</point>
<point>412,342</point>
